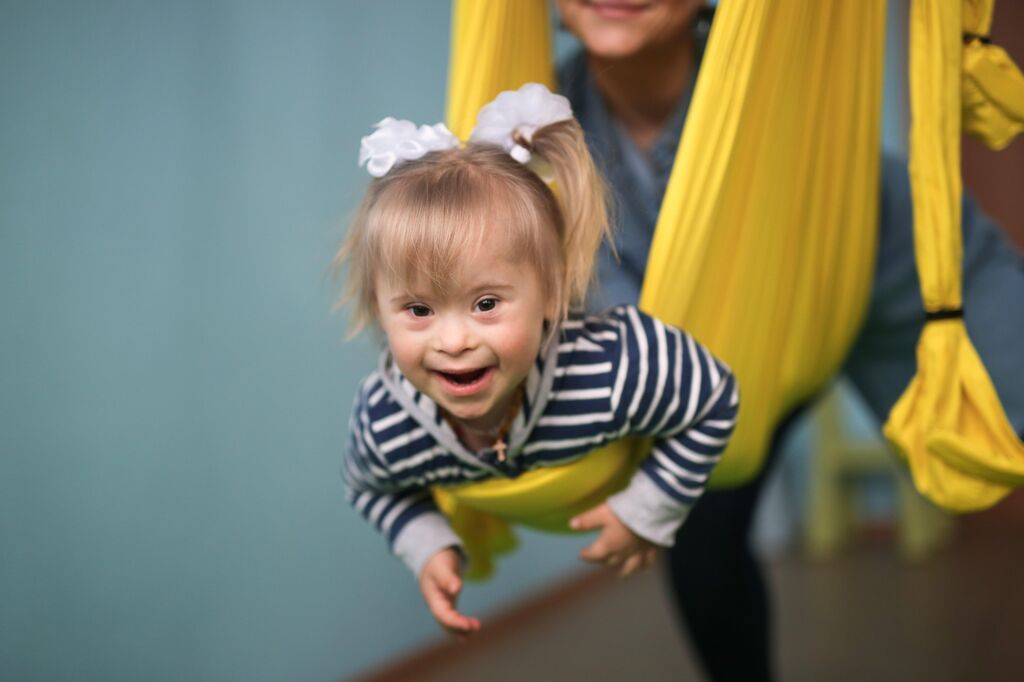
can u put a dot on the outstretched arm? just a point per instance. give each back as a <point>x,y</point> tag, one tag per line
<point>676,391</point>
<point>405,513</point>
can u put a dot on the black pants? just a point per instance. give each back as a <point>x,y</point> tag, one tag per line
<point>719,591</point>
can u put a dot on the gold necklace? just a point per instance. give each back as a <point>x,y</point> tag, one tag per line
<point>499,444</point>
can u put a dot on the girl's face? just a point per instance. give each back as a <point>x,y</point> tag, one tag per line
<point>472,347</point>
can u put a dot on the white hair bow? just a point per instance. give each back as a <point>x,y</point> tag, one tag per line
<point>394,141</point>
<point>513,115</point>
<point>520,111</point>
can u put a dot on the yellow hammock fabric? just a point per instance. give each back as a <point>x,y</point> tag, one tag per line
<point>949,424</point>
<point>765,243</point>
<point>496,45</point>
<point>993,86</point>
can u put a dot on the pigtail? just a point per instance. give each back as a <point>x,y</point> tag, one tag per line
<point>580,190</point>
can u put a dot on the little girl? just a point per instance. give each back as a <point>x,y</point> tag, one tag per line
<point>473,267</point>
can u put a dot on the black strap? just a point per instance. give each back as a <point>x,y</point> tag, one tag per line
<point>944,314</point>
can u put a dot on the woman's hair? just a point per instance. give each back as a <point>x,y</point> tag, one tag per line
<point>425,214</point>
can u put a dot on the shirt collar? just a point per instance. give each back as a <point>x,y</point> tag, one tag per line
<point>605,137</point>
<point>425,411</point>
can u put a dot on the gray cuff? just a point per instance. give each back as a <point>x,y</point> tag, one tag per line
<point>422,538</point>
<point>647,511</point>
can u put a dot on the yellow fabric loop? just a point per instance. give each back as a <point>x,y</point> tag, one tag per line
<point>544,499</point>
<point>547,498</point>
<point>993,87</point>
<point>993,95</point>
<point>765,243</point>
<point>941,413</point>
<point>949,424</point>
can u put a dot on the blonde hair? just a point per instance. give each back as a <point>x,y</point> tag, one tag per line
<point>425,214</point>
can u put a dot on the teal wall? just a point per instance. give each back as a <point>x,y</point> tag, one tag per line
<point>174,178</point>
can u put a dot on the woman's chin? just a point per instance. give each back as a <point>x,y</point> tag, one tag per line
<point>613,43</point>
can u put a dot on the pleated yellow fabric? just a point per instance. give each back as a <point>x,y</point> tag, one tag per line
<point>765,243</point>
<point>496,45</point>
<point>949,424</point>
<point>766,237</point>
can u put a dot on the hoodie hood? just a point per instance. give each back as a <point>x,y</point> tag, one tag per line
<point>422,408</point>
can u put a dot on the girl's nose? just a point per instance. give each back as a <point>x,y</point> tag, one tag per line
<point>453,336</point>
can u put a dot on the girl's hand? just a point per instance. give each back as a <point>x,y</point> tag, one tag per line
<point>617,547</point>
<point>440,583</point>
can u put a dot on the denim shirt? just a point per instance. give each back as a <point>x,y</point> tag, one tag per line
<point>637,180</point>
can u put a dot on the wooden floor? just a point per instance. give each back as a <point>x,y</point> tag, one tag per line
<point>867,615</point>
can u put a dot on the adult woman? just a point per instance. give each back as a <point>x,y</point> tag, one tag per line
<point>630,86</point>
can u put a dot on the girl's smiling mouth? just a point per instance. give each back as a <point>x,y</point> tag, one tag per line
<point>465,382</point>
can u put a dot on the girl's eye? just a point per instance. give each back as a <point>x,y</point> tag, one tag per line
<point>418,310</point>
<point>486,305</point>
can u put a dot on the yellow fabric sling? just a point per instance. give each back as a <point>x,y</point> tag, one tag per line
<point>949,424</point>
<point>773,199</point>
<point>766,237</point>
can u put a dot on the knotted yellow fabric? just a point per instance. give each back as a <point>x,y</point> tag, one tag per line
<point>993,86</point>
<point>949,424</point>
<point>765,243</point>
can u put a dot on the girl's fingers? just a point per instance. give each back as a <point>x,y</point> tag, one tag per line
<point>596,551</point>
<point>440,596</point>
<point>631,565</point>
<point>445,613</point>
<point>589,520</point>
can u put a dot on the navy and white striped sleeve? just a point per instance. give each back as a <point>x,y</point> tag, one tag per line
<point>408,517</point>
<point>669,387</point>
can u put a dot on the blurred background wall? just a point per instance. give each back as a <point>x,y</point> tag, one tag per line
<point>174,180</point>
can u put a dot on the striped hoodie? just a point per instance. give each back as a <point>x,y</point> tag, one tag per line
<point>621,373</point>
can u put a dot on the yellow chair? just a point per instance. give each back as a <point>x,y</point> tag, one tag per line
<point>841,464</point>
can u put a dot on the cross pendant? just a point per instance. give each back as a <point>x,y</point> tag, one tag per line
<point>500,447</point>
